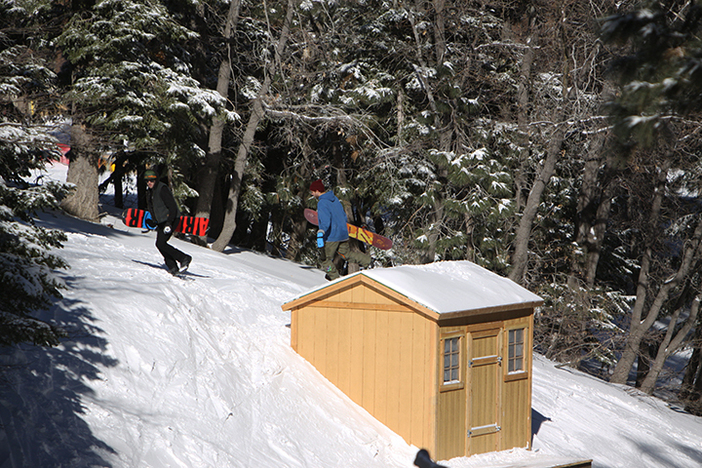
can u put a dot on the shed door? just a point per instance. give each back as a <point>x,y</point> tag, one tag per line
<point>484,400</point>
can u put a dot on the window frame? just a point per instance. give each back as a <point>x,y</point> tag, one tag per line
<point>460,383</point>
<point>523,373</point>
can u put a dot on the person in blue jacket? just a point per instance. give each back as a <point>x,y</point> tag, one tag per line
<point>333,235</point>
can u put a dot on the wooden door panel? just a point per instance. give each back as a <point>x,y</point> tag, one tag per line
<point>484,368</point>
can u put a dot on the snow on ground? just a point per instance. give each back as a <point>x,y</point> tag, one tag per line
<point>198,372</point>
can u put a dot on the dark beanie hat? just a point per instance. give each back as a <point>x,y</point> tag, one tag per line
<point>150,175</point>
<point>317,186</point>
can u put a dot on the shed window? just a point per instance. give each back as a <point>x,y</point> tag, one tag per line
<point>452,360</point>
<point>516,350</point>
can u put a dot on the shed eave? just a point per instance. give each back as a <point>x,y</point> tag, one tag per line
<point>489,310</point>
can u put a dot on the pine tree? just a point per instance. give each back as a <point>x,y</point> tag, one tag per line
<point>28,282</point>
<point>134,90</point>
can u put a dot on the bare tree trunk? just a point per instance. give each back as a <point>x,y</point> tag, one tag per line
<point>594,203</point>
<point>599,228</point>
<point>420,72</point>
<point>520,256</point>
<point>591,206</point>
<point>400,117</point>
<point>437,212</point>
<point>693,373</point>
<point>299,228</point>
<point>428,255</point>
<point>83,173</point>
<point>118,186</point>
<point>691,388</point>
<point>640,325</point>
<point>637,327</point>
<point>522,122</point>
<point>670,344</point>
<point>257,114</point>
<point>229,225</point>
<point>439,31</point>
<point>470,246</point>
<point>523,119</point>
<point>208,174</point>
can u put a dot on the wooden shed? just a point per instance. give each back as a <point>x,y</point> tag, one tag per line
<point>439,353</point>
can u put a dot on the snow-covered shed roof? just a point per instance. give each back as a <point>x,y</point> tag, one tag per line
<point>445,288</point>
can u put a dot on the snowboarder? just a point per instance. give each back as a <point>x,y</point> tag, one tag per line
<point>164,211</point>
<point>333,235</point>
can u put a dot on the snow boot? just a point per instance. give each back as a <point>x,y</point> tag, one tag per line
<point>186,263</point>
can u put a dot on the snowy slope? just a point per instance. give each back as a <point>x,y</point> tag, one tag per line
<point>198,372</point>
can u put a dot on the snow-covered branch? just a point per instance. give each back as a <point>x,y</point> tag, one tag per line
<point>312,120</point>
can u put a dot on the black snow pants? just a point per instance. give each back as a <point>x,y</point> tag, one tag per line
<point>170,253</point>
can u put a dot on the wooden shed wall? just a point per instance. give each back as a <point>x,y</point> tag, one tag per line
<point>377,351</point>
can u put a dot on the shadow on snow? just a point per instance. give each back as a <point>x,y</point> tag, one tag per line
<point>41,392</point>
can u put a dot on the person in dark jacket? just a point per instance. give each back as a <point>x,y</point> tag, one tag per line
<point>164,212</point>
<point>333,235</point>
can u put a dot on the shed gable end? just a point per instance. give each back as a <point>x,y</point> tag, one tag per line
<point>361,293</point>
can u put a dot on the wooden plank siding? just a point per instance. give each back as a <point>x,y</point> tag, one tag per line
<point>452,401</point>
<point>516,406</point>
<point>383,358</point>
<point>451,430</point>
<point>515,410</point>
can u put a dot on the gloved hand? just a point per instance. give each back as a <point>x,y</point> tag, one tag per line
<point>167,229</point>
<point>320,239</point>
